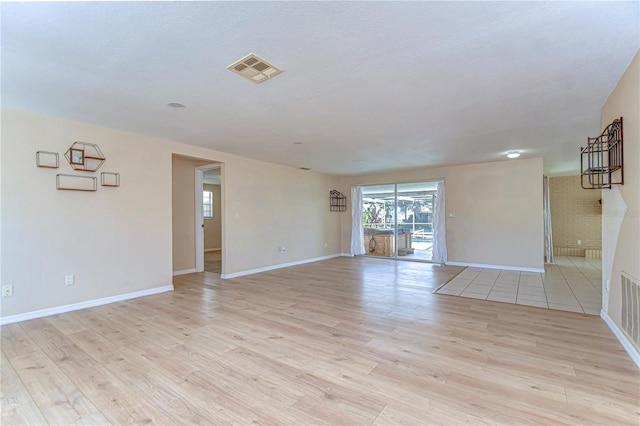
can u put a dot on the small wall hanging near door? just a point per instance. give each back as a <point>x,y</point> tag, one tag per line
<point>337,201</point>
<point>602,157</point>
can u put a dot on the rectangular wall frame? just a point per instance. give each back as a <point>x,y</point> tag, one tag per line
<point>47,159</point>
<point>76,183</point>
<point>110,179</point>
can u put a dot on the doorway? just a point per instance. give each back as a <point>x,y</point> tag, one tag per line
<point>209,229</point>
<point>398,220</point>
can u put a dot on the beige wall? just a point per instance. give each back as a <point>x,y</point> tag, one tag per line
<point>576,214</point>
<point>621,204</point>
<point>498,210</point>
<point>213,226</point>
<point>183,210</point>
<point>276,206</point>
<point>115,241</point>
<point>119,240</point>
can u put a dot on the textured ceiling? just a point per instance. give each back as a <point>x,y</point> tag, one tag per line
<point>367,86</point>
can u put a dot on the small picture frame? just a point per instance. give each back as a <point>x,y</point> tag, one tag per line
<point>76,156</point>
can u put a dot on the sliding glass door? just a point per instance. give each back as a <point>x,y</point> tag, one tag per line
<point>379,220</point>
<point>398,220</point>
<point>417,220</point>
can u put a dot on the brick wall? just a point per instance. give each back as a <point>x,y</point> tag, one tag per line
<point>576,214</point>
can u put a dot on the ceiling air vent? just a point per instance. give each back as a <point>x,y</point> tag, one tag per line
<point>254,68</point>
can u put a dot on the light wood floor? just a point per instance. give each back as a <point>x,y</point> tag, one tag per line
<point>341,342</point>
<point>213,261</point>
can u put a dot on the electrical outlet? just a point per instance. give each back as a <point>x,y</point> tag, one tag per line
<point>452,214</point>
<point>325,245</point>
<point>7,290</point>
<point>283,249</point>
<point>579,242</point>
<point>69,280</point>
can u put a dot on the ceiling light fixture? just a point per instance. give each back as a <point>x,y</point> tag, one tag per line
<point>297,143</point>
<point>176,105</point>
<point>254,68</point>
<point>513,154</point>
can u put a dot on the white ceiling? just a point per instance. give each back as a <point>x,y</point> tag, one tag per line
<point>367,86</point>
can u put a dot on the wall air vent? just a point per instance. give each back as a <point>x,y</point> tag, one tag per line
<point>631,308</point>
<point>254,68</point>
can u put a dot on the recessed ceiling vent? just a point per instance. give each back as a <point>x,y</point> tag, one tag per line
<point>254,68</point>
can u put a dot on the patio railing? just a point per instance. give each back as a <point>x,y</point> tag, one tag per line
<point>425,227</point>
<point>421,231</point>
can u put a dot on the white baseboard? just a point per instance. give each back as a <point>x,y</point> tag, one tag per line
<point>622,338</point>
<point>506,268</point>
<point>346,255</point>
<point>83,305</point>
<point>184,271</point>
<point>213,249</point>
<point>279,266</point>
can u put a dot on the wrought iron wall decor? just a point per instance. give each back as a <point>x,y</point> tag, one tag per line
<point>337,201</point>
<point>76,183</point>
<point>85,156</point>
<point>602,157</point>
<point>47,159</point>
<point>110,179</point>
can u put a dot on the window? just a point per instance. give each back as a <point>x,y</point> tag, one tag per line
<point>207,204</point>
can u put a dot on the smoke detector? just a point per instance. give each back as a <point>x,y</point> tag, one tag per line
<point>254,68</point>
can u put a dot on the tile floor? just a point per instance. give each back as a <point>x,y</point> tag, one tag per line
<point>571,284</point>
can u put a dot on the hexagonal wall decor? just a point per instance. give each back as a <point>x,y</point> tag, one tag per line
<point>84,156</point>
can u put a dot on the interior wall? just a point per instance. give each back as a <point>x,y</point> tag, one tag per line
<point>183,210</point>
<point>114,241</point>
<point>497,206</point>
<point>275,206</point>
<point>621,204</point>
<point>213,226</point>
<point>576,214</point>
<point>119,240</point>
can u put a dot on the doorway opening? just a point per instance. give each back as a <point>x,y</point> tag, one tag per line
<point>209,224</point>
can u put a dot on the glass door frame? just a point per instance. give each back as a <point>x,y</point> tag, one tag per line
<point>394,224</point>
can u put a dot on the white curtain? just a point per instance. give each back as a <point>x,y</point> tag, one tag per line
<point>439,227</point>
<point>357,226</point>
<point>548,236</point>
